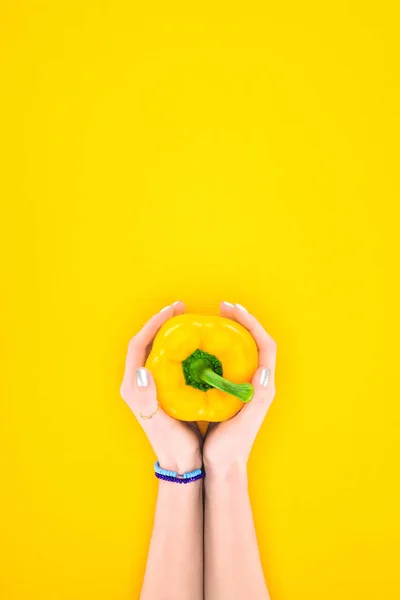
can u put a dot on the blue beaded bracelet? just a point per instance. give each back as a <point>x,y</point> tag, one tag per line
<point>175,477</point>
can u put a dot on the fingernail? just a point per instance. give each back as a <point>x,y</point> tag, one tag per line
<point>242,308</point>
<point>175,303</point>
<point>142,378</point>
<point>165,308</point>
<point>228,304</point>
<point>264,377</point>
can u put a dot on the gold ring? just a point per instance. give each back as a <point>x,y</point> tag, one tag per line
<point>146,417</point>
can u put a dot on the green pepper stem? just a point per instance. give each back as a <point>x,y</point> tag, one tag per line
<point>243,391</point>
<point>203,370</point>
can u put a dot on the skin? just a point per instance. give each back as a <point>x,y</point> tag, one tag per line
<point>174,568</point>
<point>233,568</point>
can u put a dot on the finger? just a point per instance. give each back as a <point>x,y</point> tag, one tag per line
<point>143,402</point>
<point>137,349</point>
<point>252,414</point>
<point>265,344</point>
<point>226,309</point>
<point>179,307</point>
<point>264,387</point>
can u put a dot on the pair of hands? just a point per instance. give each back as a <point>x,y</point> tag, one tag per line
<point>179,446</point>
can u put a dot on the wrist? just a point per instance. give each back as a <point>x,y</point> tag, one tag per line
<point>181,464</point>
<point>226,473</point>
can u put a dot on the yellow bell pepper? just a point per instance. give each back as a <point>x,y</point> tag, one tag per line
<point>199,364</point>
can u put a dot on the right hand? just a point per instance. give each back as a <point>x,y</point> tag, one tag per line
<point>227,445</point>
<point>176,444</point>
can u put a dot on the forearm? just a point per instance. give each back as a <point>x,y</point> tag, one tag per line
<point>233,568</point>
<point>174,568</point>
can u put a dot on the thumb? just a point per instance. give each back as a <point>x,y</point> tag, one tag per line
<point>253,413</point>
<point>264,386</point>
<point>144,402</point>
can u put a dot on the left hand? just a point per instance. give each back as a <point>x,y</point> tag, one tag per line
<point>227,445</point>
<point>177,445</point>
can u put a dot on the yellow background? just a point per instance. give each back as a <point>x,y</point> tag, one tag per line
<point>198,151</point>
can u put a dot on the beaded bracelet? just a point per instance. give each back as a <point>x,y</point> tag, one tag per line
<point>175,477</point>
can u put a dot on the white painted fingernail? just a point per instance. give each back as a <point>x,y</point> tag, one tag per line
<point>142,378</point>
<point>264,377</point>
<point>165,308</point>
<point>228,304</point>
<point>242,308</point>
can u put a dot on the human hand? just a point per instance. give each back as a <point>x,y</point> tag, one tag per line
<point>227,445</point>
<point>176,444</point>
